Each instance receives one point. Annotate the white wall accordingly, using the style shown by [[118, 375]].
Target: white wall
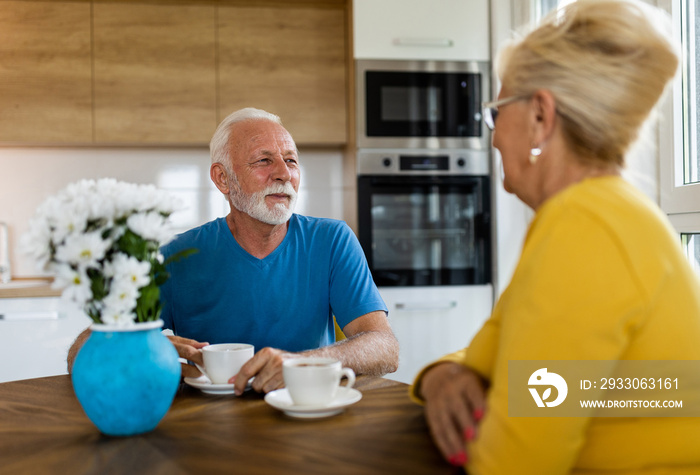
[[512, 216], [30, 175]]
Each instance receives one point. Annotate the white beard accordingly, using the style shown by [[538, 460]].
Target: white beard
[[254, 205]]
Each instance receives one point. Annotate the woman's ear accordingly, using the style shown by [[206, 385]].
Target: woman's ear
[[543, 115], [219, 176]]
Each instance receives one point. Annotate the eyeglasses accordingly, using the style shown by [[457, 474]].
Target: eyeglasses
[[491, 109]]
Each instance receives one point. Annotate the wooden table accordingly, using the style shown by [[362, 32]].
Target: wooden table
[[44, 430]]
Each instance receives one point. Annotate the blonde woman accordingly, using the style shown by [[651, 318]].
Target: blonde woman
[[601, 275]]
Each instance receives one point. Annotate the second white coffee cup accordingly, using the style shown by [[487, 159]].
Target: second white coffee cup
[[314, 381], [224, 360]]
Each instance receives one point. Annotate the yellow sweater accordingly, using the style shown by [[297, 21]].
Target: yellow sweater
[[601, 277]]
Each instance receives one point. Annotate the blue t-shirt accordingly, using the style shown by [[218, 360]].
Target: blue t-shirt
[[286, 300]]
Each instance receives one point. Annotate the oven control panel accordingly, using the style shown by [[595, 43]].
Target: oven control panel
[[423, 162]]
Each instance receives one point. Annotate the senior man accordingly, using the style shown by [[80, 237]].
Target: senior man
[[267, 276]]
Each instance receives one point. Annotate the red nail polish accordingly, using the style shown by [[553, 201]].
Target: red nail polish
[[458, 459], [469, 433], [478, 414]]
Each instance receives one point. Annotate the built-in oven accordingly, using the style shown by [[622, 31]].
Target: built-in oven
[[425, 226], [421, 104], [424, 216]]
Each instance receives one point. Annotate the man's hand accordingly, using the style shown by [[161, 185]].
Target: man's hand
[[454, 403], [370, 348], [190, 350], [266, 366]]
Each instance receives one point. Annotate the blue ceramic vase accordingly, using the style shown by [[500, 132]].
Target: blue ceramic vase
[[126, 377]]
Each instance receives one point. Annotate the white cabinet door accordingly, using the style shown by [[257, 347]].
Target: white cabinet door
[[35, 334], [422, 29], [430, 322]]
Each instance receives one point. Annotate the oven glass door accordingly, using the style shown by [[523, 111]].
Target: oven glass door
[[422, 104], [419, 231]]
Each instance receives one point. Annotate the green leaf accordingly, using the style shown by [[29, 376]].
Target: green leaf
[[93, 313], [134, 245], [161, 277], [148, 302], [98, 284], [178, 256]]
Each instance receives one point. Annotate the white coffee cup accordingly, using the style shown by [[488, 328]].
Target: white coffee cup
[[314, 381], [224, 360]]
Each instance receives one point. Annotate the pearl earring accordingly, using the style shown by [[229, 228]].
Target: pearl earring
[[535, 154]]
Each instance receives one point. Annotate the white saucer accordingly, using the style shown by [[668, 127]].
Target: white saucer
[[281, 400], [206, 386]]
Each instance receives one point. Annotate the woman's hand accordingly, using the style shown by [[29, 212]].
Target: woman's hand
[[454, 398]]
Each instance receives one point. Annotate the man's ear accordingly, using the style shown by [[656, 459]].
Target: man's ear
[[219, 176], [543, 115]]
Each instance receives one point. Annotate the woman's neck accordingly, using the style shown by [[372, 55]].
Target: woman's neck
[[566, 170]]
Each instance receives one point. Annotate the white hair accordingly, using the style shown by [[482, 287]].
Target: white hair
[[219, 146]]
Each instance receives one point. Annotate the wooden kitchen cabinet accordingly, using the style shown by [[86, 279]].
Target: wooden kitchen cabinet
[[45, 72], [154, 73], [165, 72], [289, 60]]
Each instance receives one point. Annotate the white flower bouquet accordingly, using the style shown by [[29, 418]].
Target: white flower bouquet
[[101, 240]]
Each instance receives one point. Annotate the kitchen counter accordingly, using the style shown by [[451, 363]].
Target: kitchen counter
[[28, 288], [36, 327]]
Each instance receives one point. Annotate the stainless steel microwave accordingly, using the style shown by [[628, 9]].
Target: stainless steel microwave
[[422, 104]]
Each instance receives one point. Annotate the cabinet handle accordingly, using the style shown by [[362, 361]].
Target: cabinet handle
[[428, 42], [29, 316], [425, 306]]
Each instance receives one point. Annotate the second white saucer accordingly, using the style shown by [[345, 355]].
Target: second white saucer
[[281, 400]]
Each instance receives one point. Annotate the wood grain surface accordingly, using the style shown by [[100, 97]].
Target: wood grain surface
[[41, 289], [288, 61], [44, 430], [166, 72], [155, 73], [45, 72]]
